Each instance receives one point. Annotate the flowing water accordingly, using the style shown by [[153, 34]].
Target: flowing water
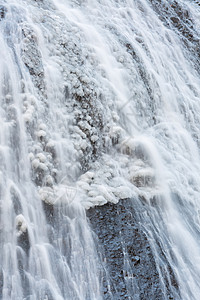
[[100, 101]]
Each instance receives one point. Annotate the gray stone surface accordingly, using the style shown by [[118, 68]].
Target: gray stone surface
[[129, 268], [177, 17]]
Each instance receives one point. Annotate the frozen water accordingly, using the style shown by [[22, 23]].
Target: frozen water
[[106, 95]]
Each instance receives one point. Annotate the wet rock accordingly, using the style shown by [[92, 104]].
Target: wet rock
[[130, 271], [22, 233], [175, 16], [23, 241], [49, 212], [32, 58], [16, 201], [1, 283], [175, 20], [3, 11]]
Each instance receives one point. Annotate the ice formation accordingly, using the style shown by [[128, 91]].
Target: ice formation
[[104, 94]]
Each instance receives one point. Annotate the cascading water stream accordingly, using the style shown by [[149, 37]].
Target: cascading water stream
[[39, 259], [99, 103]]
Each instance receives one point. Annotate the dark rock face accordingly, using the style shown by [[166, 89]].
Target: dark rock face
[[3, 11], [130, 270], [31, 57], [177, 17]]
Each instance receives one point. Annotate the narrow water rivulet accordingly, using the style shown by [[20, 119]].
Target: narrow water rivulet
[[99, 149]]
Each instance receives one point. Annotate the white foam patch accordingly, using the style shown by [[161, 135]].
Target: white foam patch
[[20, 224]]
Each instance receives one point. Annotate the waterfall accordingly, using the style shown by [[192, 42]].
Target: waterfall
[[100, 103]]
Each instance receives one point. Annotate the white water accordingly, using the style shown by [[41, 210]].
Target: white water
[[100, 101]]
